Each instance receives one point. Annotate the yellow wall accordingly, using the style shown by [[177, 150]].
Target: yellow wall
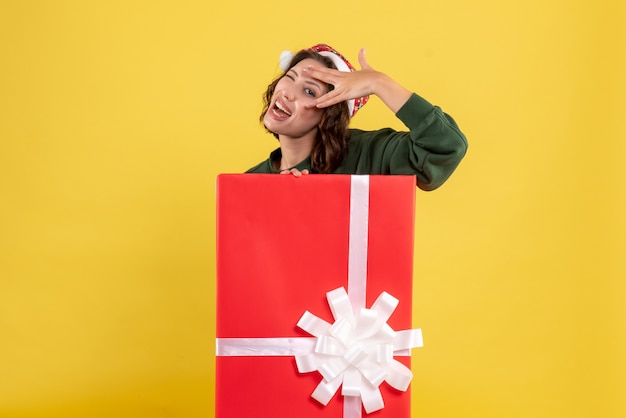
[[116, 116]]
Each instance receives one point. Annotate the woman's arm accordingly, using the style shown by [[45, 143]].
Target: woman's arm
[[431, 149]]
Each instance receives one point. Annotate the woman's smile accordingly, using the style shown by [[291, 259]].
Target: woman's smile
[[280, 110]]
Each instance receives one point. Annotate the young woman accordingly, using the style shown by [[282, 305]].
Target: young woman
[[308, 109]]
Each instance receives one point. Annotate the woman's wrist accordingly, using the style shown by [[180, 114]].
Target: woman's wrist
[[390, 92]]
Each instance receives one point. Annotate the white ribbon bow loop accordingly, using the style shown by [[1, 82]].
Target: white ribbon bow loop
[[356, 351]]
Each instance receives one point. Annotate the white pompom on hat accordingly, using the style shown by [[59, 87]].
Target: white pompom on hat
[[285, 60], [340, 62]]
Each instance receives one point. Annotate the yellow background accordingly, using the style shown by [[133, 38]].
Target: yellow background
[[116, 117]]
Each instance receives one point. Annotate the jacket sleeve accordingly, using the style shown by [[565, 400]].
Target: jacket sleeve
[[431, 149], [437, 145]]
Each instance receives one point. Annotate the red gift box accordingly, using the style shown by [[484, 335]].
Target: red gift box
[[282, 244]]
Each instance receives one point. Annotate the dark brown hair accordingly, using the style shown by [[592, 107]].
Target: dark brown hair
[[331, 145]]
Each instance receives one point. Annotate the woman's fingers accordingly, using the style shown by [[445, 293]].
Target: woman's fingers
[[329, 99], [323, 74], [363, 60], [295, 172], [347, 85]]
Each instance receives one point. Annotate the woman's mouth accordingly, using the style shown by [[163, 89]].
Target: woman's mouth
[[281, 110]]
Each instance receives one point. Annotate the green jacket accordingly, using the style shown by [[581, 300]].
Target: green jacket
[[431, 150]]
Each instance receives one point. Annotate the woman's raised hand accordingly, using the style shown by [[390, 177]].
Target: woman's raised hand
[[347, 85], [351, 85]]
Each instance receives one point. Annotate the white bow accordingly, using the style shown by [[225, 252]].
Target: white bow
[[357, 351]]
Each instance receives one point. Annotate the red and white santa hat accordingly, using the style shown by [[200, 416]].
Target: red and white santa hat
[[340, 62]]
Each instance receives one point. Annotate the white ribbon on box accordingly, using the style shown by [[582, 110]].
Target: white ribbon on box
[[356, 351]]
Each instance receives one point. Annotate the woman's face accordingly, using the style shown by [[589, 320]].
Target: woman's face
[[291, 112]]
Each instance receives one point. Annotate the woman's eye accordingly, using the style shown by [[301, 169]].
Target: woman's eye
[[309, 92], [289, 76]]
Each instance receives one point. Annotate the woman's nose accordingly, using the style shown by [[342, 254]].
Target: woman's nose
[[287, 95]]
